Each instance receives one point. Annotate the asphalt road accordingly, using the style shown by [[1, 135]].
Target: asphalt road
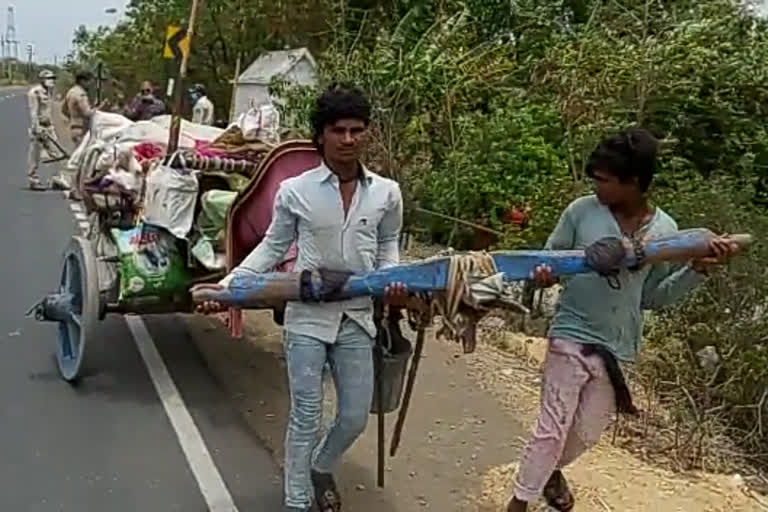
[[130, 436]]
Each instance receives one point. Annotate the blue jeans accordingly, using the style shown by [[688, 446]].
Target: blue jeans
[[350, 360]]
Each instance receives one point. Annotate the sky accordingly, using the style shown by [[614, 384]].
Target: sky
[[49, 24]]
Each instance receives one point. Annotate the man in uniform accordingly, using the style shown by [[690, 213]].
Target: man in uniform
[[202, 111], [42, 134], [77, 107]]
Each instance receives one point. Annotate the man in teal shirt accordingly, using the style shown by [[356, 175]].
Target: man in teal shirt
[[599, 321]]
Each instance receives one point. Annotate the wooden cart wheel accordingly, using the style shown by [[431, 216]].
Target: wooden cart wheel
[[79, 277]]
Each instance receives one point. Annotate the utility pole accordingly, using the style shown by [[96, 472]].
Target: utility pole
[[30, 53], [234, 87], [175, 132], [2, 56]]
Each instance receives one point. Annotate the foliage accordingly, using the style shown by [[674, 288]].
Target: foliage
[[693, 73], [728, 313], [507, 159], [226, 30]]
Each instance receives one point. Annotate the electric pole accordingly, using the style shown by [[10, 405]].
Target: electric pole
[[30, 53]]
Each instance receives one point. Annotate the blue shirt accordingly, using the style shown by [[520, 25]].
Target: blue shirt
[[308, 209], [591, 311]]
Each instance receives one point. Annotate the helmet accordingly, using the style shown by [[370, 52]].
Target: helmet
[[199, 89], [46, 74]]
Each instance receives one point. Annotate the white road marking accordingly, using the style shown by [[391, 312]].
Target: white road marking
[[207, 475]]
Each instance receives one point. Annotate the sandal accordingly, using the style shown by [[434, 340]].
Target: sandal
[[326, 493], [36, 185], [557, 493]]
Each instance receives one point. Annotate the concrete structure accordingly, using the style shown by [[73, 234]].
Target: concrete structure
[[295, 66]]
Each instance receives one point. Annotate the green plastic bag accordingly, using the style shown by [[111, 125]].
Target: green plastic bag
[[214, 205], [150, 263]]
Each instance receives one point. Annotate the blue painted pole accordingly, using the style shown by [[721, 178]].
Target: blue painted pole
[[263, 290]]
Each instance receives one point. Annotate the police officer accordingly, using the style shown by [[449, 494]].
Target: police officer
[[77, 107], [202, 111], [42, 134]]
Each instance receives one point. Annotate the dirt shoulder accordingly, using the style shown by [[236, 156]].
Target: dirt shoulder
[[469, 419]]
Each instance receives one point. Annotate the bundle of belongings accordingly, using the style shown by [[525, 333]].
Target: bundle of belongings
[[161, 218]]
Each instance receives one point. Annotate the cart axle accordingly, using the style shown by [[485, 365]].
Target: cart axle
[[55, 307]]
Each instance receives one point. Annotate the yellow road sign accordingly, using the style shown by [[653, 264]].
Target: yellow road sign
[[176, 42]]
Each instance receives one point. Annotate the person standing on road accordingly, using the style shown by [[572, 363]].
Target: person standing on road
[[77, 107], [42, 134], [145, 105], [343, 217], [203, 110], [599, 322]]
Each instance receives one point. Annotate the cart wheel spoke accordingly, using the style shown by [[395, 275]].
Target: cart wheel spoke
[[79, 279]]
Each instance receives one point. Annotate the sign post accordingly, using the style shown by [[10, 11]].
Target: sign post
[[178, 44]]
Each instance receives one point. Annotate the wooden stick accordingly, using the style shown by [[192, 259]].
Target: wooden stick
[[380, 416], [411, 382]]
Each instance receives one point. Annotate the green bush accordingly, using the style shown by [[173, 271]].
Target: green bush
[[729, 313], [509, 158]]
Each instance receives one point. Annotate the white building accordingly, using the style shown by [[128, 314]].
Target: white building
[[294, 66]]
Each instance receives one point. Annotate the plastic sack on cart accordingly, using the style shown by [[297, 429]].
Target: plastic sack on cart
[[213, 215], [261, 122], [104, 127], [170, 199], [150, 263], [210, 224]]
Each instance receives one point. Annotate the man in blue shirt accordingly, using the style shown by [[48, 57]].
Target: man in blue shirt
[[599, 322]]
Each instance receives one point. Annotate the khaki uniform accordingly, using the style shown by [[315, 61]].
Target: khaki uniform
[[80, 112], [41, 126]]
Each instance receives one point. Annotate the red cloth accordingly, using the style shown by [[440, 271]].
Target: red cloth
[[148, 151]]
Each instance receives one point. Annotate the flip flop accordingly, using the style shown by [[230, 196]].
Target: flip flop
[[37, 186], [326, 493], [557, 494]]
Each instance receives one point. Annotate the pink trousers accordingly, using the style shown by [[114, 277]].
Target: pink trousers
[[577, 404]]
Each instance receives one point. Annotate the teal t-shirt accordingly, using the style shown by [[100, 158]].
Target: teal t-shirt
[[589, 309]]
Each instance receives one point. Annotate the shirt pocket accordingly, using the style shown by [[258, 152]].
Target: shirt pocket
[[365, 238]]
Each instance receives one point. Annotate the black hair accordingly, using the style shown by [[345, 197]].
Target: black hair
[[83, 76], [628, 155], [339, 101]]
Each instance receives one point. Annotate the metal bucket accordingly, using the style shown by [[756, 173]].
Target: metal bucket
[[389, 375]]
